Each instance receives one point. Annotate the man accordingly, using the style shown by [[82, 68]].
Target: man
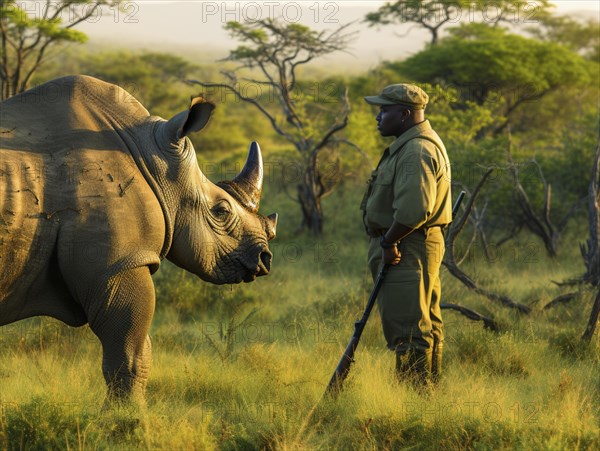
[[406, 207]]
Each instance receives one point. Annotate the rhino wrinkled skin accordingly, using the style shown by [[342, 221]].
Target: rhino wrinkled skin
[[94, 193]]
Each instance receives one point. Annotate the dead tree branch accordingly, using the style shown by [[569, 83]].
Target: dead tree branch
[[540, 226], [591, 250], [450, 261], [477, 221], [562, 299], [488, 323], [591, 326]]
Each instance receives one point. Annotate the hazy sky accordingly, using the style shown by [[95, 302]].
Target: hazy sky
[[197, 25]]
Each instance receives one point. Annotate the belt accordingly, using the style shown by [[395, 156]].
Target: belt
[[376, 233]]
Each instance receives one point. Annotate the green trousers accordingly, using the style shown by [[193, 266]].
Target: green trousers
[[409, 299]]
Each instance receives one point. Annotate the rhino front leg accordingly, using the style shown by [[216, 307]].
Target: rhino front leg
[[122, 323]]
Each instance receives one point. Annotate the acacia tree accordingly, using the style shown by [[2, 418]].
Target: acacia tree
[[489, 65], [28, 34], [433, 15], [271, 55]]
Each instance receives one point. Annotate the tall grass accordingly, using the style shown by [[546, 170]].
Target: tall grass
[[245, 367]]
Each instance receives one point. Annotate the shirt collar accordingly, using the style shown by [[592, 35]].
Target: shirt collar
[[409, 134]]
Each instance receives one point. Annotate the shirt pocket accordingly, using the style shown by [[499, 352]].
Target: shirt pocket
[[384, 177]]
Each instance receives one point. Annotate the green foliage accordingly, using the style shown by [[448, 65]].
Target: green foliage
[[572, 156], [488, 64], [425, 12], [17, 24], [53, 30], [27, 37], [459, 122]]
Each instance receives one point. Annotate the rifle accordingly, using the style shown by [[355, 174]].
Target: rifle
[[343, 368]]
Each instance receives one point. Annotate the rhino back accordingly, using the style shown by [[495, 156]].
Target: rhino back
[[69, 187], [68, 111]]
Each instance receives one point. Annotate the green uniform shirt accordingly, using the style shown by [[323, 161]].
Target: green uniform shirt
[[411, 184]]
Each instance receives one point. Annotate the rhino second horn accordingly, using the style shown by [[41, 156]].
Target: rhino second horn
[[271, 226], [250, 179]]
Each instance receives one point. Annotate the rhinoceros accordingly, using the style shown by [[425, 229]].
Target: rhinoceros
[[94, 193]]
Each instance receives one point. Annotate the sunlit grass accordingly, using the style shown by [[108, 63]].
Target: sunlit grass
[[245, 367]]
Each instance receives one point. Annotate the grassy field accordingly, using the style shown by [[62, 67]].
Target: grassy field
[[244, 367]]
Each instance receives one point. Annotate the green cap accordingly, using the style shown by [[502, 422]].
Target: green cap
[[405, 94]]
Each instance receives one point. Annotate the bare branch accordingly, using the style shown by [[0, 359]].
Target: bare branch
[[468, 249], [469, 283], [488, 323], [450, 261], [593, 321], [337, 126], [246, 99], [542, 227], [591, 251], [511, 234], [459, 223], [562, 299]]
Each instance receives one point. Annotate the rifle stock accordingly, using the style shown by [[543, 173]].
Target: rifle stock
[[343, 368]]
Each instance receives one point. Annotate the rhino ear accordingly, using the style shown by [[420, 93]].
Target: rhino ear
[[192, 120]]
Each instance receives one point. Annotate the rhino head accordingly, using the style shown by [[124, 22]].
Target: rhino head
[[218, 233]]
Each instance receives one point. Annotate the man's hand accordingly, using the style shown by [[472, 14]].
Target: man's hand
[[394, 234], [391, 256]]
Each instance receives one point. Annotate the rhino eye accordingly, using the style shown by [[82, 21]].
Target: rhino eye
[[221, 210]]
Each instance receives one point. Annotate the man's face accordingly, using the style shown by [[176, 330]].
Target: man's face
[[390, 119]]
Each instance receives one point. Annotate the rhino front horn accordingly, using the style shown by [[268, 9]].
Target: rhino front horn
[[246, 187]]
